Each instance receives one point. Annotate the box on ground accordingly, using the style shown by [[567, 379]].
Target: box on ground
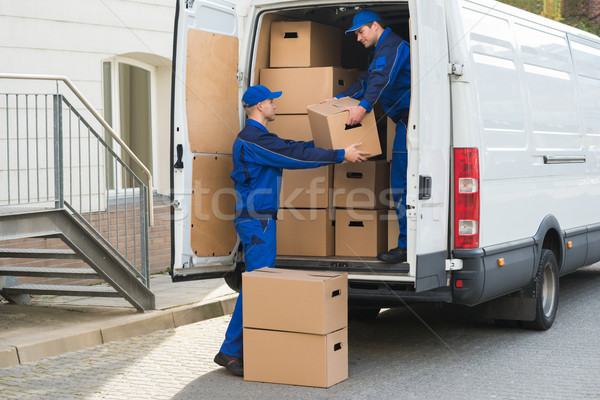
[[329, 129], [362, 185], [305, 44], [306, 188], [304, 86], [295, 358], [360, 232], [295, 301], [393, 229], [291, 126]]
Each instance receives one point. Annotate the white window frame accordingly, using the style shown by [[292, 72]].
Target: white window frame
[[114, 71]]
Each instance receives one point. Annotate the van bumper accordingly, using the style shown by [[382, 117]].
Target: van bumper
[[388, 297], [472, 276]]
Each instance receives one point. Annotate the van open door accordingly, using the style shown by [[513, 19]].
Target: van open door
[[428, 145], [205, 121]]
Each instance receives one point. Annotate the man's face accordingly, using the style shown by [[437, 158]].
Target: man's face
[[367, 36], [268, 109]]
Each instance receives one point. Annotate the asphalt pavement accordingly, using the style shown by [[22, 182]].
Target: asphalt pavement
[[425, 351]]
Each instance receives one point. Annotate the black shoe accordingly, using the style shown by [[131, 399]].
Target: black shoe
[[396, 255], [231, 363]]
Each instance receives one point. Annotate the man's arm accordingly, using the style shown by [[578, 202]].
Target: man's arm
[[273, 151], [384, 70]]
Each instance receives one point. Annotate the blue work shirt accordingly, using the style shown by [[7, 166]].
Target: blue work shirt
[[387, 80], [258, 159]]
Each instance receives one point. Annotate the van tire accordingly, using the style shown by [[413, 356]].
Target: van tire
[[546, 292], [233, 278]]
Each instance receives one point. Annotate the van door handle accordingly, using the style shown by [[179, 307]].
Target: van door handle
[[179, 163], [424, 187]]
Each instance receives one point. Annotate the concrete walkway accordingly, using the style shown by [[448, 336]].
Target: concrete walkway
[[53, 325]]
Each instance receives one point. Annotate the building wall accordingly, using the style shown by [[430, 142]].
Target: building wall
[[72, 38]]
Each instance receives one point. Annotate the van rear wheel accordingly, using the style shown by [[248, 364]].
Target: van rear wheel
[[546, 292]]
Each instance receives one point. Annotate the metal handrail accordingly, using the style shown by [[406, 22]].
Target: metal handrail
[[101, 120]]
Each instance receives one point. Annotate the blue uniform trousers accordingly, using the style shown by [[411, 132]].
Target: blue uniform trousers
[[398, 180], [260, 247]]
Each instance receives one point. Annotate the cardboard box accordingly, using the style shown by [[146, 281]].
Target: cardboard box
[[362, 185], [391, 134], [306, 188], [295, 301], [305, 44], [329, 129], [295, 358], [393, 230], [360, 232], [305, 232], [304, 86], [291, 126]]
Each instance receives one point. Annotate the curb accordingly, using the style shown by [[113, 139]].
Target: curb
[[122, 328]]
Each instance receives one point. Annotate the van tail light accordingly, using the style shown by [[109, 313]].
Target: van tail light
[[466, 198]]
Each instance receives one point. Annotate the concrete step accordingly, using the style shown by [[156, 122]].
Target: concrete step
[[38, 253], [62, 290], [49, 272]]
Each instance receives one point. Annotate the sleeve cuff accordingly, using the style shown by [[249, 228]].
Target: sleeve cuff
[[339, 96], [366, 105], [341, 155]]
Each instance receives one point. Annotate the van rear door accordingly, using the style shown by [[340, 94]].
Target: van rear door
[[428, 145], [205, 122]]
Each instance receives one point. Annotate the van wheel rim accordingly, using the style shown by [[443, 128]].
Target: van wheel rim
[[548, 291]]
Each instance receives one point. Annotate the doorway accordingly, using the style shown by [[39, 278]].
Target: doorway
[[129, 109]]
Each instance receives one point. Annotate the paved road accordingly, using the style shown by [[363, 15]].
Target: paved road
[[425, 352]]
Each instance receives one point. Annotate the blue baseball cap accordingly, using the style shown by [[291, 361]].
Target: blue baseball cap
[[257, 93], [363, 17]]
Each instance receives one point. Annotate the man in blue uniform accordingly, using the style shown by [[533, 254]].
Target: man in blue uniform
[[387, 81], [258, 159]]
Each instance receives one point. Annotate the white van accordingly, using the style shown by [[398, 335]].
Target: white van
[[503, 143]]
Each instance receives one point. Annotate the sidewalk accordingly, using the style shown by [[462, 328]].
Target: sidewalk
[[53, 325]]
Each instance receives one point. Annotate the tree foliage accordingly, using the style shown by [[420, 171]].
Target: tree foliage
[[570, 12]]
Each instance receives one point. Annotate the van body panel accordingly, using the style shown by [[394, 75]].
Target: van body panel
[[516, 272], [593, 248], [428, 139], [429, 274], [576, 249], [532, 131], [529, 110], [206, 121]]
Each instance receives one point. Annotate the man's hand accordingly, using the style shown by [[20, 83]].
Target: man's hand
[[354, 155], [357, 113], [326, 100]]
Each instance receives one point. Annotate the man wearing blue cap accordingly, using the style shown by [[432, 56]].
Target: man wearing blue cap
[[258, 159], [387, 81]]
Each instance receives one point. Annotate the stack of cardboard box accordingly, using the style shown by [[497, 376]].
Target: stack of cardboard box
[[304, 64], [295, 327], [304, 60], [361, 197]]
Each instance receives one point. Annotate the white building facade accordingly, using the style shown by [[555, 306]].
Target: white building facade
[[116, 52]]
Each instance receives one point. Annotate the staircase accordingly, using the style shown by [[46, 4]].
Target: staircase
[[65, 182]]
